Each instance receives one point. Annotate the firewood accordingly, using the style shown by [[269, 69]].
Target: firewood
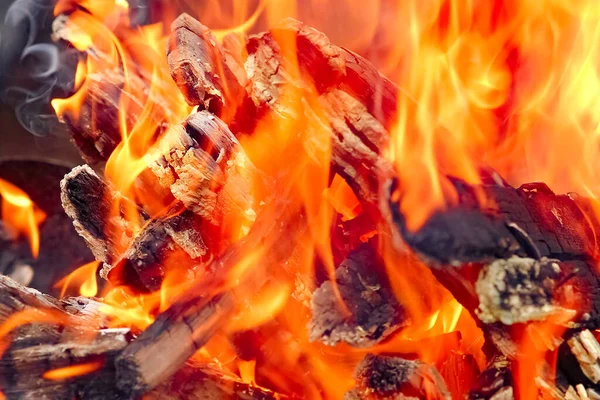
[[549, 237], [495, 382], [359, 102], [384, 377], [374, 313], [204, 166], [94, 126], [201, 69], [78, 337], [204, 308], [88, 200]]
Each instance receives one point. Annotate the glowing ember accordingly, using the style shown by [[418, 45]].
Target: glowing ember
[[72, 371], [21, 214]]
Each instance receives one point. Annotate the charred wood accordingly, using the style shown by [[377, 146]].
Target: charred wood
[[367, 312], [70, 333], [201, 69], [384, 377], [200, 311], [93, 205]]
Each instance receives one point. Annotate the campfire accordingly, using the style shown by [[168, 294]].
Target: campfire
[[400, 205]]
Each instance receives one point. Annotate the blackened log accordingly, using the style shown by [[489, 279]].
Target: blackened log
[[384, 377], [90, 202], [495, 382], [69, 333], [201, 69], [367, 312], [530, 222], [95, 125], [141, 257]]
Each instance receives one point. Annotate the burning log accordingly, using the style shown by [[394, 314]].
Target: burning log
[[199, 312], [88, 200], [201, 68], [204, 167], [63, 351], [529, 234], [373, 312], [384, 377]]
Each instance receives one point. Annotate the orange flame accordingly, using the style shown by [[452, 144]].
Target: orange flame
[[84, 277], [21, 214], [72, 371], [509, 84]]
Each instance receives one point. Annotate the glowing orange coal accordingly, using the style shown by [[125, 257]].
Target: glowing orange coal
[[21, 214]]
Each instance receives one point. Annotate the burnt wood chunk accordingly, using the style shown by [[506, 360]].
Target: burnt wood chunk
[[143, 257], [169, 243], [517, 290], [530, 220], [584, 346], [205, 168], [90, 202], [385, 377], [495, 382], [200, 68], [374, 312]]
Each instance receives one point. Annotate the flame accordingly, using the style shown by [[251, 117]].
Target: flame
[[21, 214], [509, 84], [247, 370], [84, 277], [72, 371]]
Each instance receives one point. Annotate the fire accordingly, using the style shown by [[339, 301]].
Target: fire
[[72, 371], [21, 214], [509, 84], [84, 277]]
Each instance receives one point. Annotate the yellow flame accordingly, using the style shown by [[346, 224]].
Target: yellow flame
[[21, 214]]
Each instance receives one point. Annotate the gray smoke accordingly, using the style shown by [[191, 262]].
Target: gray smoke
[[30, 65]]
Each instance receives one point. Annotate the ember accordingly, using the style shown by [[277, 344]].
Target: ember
[[272, 217]]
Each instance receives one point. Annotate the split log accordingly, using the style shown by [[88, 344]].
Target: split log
[[385, 377], [94, 207], [71, 333], [373, 312]]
